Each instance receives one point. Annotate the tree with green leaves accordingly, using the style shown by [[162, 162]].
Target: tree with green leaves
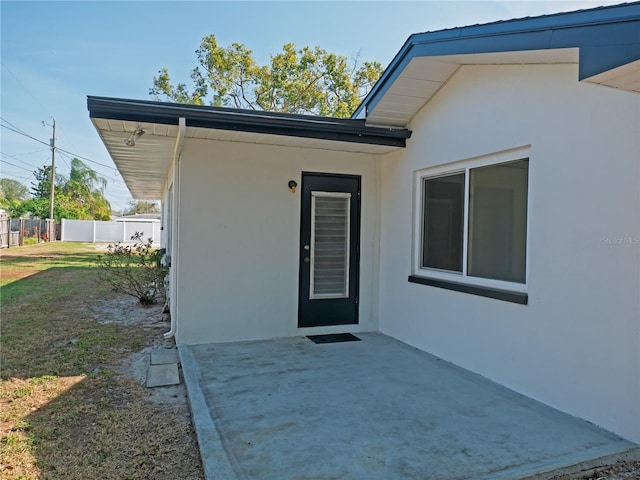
[[81, 196], [42, 187], [12, 191], [297, 80], [63, 207], [142, 206], [87, 188]]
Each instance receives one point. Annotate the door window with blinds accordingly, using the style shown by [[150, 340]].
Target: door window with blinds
[[329, 245]]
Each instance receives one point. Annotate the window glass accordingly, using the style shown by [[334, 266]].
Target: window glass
[[443, 222], [490, 208], [498, 221]]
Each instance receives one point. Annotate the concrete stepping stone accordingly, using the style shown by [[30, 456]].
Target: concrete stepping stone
[[160, 356], [162, 375]]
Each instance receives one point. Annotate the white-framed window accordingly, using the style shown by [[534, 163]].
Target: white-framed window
[[471, 221]]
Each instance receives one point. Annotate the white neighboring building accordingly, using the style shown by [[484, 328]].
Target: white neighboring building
[[482, 205]]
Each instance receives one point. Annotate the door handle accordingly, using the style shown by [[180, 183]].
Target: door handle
[[306, 247], [306, 259]]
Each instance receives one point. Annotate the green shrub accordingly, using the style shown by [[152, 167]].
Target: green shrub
[[134, 269]]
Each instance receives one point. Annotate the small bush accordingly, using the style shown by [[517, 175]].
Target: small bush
[[134, 269]]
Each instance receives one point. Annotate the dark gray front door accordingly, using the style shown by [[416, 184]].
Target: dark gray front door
[[329, 250]]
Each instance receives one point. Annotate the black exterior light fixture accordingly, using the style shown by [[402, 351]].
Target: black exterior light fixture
[[292, 185]]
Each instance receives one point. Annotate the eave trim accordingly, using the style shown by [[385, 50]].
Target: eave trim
[[607, 37], [307, 126]]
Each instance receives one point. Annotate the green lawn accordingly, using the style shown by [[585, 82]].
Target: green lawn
[[66, 411]]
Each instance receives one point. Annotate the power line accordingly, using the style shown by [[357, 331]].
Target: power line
[[25, 88], [14, 157], [45, 162], [70, 154], [36, 100], [64, 157], [13, 175], [19, 159], [26, 153], [14, 165], [15, 129], [24, 182], [110, 194], [18, 131], [85, 158], [69, 140]]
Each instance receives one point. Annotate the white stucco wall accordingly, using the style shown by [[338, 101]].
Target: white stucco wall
[[576, 345], [239, 229]]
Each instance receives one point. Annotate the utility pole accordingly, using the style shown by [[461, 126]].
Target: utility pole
[[53, 169]]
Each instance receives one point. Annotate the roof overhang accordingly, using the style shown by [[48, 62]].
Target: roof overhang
[[604, 42], [144, 163]]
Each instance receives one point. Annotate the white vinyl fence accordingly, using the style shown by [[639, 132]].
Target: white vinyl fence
[[108, 232]]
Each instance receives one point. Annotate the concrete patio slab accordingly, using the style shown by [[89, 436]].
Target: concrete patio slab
[[374, 409], [164, 355], [162, 375]]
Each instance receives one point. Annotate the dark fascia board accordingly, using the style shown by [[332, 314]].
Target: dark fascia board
[[607, 37], [292, 125]]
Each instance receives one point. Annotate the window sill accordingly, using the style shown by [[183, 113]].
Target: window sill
[[498, 294]]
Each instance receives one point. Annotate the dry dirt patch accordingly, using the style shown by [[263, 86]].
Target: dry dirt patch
[[621, 471], [74, 358], [126, 311]]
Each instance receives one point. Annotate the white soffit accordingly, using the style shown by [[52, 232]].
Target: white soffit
[[424, 76], [145, 165], [625, 77]]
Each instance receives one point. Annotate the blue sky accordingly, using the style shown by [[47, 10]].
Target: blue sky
[[54, 54]]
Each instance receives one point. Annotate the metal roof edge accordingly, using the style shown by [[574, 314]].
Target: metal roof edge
[[599, 16], [276, 123]]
